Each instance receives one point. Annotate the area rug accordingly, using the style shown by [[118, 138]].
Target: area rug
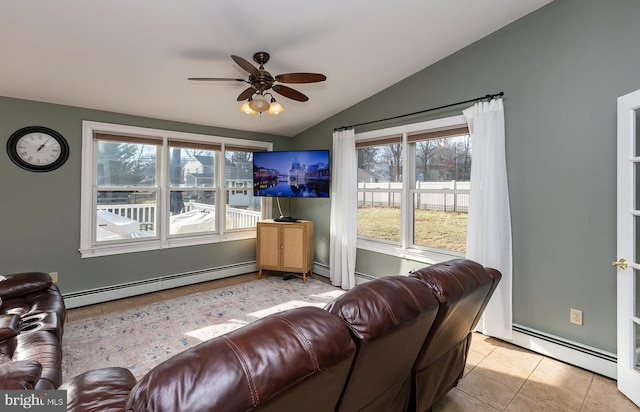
[[141, 338]]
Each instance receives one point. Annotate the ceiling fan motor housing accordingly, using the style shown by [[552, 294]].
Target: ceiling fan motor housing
[[261, 83]]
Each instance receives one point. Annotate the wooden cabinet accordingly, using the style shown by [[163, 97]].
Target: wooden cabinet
[[285, 247]]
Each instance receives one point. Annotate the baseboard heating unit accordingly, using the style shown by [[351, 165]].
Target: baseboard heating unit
[[125, 290], [574, 353]]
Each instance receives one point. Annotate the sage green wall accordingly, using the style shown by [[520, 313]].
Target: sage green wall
[[40, 212], [562, 69]]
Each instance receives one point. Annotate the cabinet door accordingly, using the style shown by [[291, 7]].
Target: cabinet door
[[268, 248], [293, 248]]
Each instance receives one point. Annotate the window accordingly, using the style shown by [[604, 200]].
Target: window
[[146, 189], [413, 189], [242, 207]]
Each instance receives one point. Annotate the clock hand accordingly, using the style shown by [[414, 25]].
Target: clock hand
[[42, 145]]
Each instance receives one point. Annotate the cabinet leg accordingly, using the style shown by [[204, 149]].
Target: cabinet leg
[[259, 273]]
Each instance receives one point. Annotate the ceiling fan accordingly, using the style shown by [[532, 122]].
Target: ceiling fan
[[261, 82]]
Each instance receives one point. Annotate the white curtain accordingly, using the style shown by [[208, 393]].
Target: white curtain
[[344, 212], [489, 225]]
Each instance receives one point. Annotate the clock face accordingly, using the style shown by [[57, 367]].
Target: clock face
[[38, 149]]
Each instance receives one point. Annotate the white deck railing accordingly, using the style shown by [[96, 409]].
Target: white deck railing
[[145, 213]]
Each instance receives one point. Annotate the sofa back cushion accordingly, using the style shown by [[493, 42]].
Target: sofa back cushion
[[389, 318], [292, 360], [463, 288]]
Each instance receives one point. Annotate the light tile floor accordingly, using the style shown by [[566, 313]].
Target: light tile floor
[[503, 377], [498, 377]]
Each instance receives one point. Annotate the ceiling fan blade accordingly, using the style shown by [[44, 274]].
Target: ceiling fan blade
[[246, 93], [301, 77], [246, 65], [215, 79], [290, 93]]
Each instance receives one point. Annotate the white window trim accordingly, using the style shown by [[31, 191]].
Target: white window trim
[[404, 250], [87, 224]]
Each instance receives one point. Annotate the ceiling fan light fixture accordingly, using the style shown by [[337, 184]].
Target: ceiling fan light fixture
[[245, 108], [259, 104], [275, 107]]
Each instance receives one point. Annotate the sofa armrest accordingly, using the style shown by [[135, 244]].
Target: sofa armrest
[[23, 374], [102, 390], [9, 326], [20, 284]]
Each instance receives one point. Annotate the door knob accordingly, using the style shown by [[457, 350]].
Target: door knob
[[622, 264]]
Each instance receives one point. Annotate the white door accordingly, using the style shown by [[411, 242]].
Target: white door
[[628, 259]]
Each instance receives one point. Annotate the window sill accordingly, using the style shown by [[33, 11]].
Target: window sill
[[418, 255], [145, 246]]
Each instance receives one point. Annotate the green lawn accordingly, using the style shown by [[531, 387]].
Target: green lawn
[[442, 230]]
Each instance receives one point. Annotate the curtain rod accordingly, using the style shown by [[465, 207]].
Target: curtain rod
[[477, 99]]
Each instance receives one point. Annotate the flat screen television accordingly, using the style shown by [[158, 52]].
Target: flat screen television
[[296, 173]]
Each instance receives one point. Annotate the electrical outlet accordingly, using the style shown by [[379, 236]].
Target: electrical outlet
[[576, 316], [54, 276]]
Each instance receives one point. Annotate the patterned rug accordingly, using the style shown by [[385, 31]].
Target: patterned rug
[[140, 338]]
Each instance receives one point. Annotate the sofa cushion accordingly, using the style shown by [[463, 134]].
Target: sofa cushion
[[20, 374], [22, 283]]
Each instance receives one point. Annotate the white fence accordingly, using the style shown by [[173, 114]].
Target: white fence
[[451, 196], [145, 213]]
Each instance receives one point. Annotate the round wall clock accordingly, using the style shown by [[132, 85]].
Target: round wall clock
[[37, 149]]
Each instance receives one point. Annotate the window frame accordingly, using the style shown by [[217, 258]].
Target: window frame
[[406, 249], [162, 240]]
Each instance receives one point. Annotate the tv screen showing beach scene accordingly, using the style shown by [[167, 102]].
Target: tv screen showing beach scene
[[300, 173]]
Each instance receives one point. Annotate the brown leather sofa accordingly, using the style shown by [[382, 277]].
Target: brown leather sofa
[[379, 347], [32, 315], [292, 360]]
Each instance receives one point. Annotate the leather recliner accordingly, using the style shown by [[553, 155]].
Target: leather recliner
[[32, 316], [389, 319], [463, 289]]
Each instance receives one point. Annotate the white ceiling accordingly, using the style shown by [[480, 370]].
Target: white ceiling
[[134, 56]]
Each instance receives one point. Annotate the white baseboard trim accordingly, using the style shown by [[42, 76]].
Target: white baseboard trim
[[574, 353], [125, 290]]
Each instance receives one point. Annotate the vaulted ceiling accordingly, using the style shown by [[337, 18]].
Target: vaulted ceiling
[[135, 57]]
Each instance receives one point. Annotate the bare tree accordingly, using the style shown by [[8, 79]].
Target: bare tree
[[464, 154], [392, 155], [424, 156], [367, 158]]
